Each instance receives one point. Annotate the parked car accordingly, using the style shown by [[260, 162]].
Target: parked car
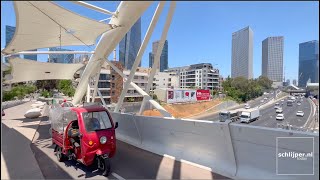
[[300, 113], [279, 110], [3, 114], [247, 106], [280, 117]]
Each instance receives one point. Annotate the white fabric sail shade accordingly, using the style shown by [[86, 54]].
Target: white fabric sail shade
[[28, 70], [39, 24]]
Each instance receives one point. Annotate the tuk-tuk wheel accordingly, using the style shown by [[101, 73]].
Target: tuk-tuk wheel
[[59, 154], [104, 166]]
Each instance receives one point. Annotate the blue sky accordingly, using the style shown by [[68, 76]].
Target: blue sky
[[202, 31]]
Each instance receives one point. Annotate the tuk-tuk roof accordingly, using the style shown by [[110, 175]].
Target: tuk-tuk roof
[[91, 108]]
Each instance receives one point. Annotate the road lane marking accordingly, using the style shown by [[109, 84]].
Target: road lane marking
[[168, 156], [188, 162], [117, 176], [196, 165]]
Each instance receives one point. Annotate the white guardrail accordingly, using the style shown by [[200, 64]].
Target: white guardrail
[[234, 150]]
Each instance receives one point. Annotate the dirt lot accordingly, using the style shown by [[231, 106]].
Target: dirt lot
[[184, 110]]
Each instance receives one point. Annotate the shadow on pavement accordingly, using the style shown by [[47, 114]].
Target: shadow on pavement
[[17, 157], [50, 168]]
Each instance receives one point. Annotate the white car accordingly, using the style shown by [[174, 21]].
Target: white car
[[265, 98], [247, 106], [280, 117], [262, 101], [300, 113], [279, 110], [282, 100], [298, 103]]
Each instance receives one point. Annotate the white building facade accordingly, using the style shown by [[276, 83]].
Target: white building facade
[[200, 76], [166, 80]]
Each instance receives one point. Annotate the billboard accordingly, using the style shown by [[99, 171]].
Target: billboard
[[177, 96], [203, 95]]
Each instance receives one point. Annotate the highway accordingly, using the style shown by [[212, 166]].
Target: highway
[[268, 115], [253, 103]]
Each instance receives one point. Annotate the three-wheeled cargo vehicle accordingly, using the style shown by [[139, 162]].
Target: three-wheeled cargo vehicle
[[85, 134]]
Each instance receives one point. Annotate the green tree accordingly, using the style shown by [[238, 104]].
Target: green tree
[[66, 87], [47, 84]]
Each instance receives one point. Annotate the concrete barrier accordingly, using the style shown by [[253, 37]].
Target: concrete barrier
[[255, 151], [233, 150], [203, 142]]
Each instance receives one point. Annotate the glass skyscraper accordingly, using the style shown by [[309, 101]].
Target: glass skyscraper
[[308, 63], [129, 46], [163, 64], [60, 58], [242, 53], [9, 35], [272, 58], [31, 56]]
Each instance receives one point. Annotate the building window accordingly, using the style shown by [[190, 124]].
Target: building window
[[142, 77]]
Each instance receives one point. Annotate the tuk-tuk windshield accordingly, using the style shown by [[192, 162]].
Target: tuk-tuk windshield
[[96, 120]]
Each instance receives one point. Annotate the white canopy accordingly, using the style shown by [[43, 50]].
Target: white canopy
[[39, 24], [28, 70]]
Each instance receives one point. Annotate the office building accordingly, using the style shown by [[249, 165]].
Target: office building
[[200, 76], [129, 46], [242, 53], [308, 63], [272, 58], [81, 58], [31, 56], [163, 63], [60, 58], [294, 82], [10, 30], [9, 35]]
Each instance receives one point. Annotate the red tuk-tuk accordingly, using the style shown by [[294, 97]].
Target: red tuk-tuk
[[85, 134]]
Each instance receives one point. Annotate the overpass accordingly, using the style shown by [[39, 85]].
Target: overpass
[[313, 89]]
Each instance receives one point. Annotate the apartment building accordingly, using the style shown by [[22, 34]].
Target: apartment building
[[200, 76], [166, 80], [111, 84]]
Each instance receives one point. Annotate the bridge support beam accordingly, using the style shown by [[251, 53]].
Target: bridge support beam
[[158, 53], [140, 53]]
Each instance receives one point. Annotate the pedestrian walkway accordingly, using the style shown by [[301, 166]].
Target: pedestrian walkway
[[17, 158]]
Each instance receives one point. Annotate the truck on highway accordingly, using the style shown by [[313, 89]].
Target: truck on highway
[[228, 115], [249, 115]]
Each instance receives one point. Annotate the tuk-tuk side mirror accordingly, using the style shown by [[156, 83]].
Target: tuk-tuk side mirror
[[116, 126]]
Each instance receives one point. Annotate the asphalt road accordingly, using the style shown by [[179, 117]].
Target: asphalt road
[[129, 163], [253, 103], [268, 115]]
